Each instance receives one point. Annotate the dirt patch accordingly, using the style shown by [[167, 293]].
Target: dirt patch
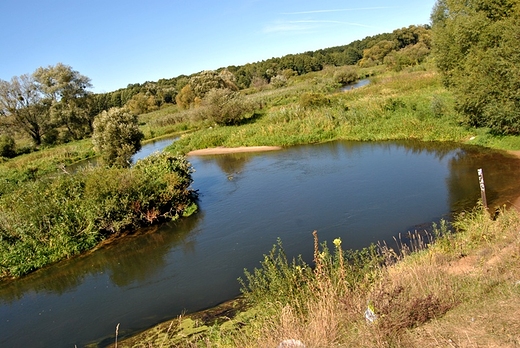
[[226, 150]]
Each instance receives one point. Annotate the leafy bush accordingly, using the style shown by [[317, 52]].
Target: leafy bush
[[116, 137], [47, 220], [346, 75], [308, 100], [224, 106]]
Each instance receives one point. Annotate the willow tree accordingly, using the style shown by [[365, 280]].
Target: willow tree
[[477, 49], [116, 137]]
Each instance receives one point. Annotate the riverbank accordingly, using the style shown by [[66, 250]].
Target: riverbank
[[409, 105], [461, 290]]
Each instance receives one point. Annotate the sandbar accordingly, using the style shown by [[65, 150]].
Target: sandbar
[[225, 150]]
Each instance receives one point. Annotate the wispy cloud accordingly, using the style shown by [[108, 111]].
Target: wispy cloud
[[339, 10], [304, 25]]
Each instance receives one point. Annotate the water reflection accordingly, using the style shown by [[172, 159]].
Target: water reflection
[[135, 258], [500, 173]]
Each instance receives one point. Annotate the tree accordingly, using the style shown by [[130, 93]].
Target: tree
[[65, 91], [185, 97], [376, 54], [142, 103], [116, 137], [49, 98], [477, 50], [25, 111], [205, 81]]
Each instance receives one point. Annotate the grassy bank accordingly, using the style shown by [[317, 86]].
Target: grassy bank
[[407, 105], [461, 291], [48, 219]]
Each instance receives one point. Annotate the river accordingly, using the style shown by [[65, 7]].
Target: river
[[361, 192]]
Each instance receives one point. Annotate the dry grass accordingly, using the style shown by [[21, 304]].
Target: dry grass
[[461, 291]]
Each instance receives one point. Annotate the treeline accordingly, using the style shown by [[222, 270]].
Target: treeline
[[403, 47], [477, 45], [53, 105]]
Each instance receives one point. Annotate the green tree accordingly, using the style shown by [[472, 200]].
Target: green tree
[[205, 81], [477, 50], [7, 146], [116, 137], [376, 54], [23, 107], [142, 103], [185, 97], [65, 91]]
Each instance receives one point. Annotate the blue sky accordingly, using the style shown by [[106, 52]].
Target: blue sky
[[117, 42]]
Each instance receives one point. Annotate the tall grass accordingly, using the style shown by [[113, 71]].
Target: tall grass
[[458, 289]]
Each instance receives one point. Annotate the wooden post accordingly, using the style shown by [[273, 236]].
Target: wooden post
[[482, 188]]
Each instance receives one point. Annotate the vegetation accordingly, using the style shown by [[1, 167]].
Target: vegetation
[[45, 101], [48, 214], [52, 218], [476, 47], [116, 137], [457, 291]]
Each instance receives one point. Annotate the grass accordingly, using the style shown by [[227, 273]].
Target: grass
[[408, 105], [462, 290]]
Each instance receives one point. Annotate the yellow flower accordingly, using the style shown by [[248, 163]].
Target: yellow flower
[[337, 242]]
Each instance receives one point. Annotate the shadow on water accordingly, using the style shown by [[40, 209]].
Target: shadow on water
[[134, 258], [361, 192]]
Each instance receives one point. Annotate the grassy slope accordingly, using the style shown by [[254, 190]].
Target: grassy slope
[[463, 291]]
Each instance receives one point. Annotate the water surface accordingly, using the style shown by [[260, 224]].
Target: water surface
[[361, 192]]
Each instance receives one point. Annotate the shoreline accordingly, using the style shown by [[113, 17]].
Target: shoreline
[[228, 150]]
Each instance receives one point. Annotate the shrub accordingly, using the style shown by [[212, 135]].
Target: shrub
[[47, 220], [224, 106], [346, 75], [308, 100], [7, 146]]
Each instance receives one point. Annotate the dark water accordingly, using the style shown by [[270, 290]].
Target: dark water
[[361, 192]]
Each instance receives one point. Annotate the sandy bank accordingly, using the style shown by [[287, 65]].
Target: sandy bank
[[224, 150]]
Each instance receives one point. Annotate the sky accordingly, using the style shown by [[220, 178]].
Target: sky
[[116, 42]]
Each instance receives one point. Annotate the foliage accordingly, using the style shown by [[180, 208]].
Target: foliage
[[51, 98], [476, 46], [346, 75], [116, 137], [7, 146], [22, 107], [186, 97], [409, 56], [49, 219], [224, 107], [308, 100], [141, 104]]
